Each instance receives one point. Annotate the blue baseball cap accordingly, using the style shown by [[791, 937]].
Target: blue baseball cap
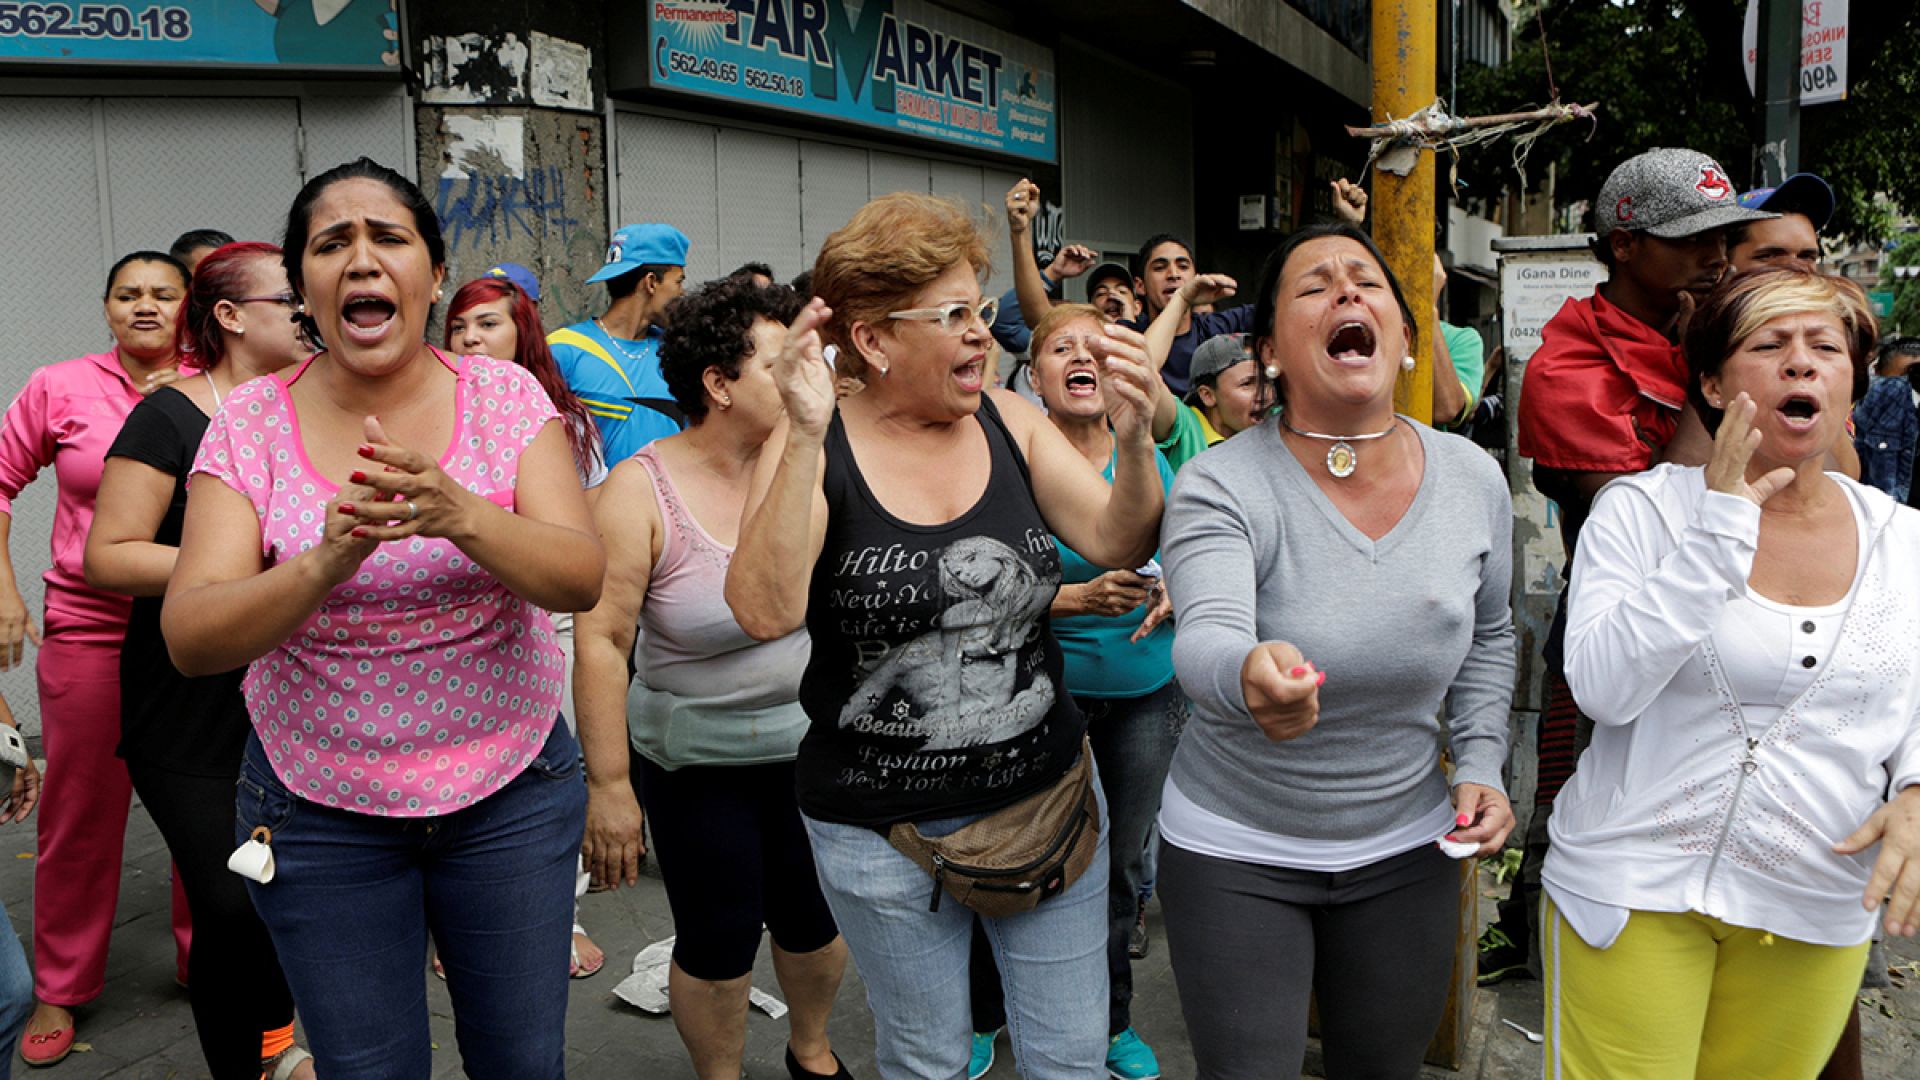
[[1801, 193], [521, 277], [635, 246]]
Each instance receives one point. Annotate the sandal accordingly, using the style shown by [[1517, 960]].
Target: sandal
[[282, 1065], [579, 969]]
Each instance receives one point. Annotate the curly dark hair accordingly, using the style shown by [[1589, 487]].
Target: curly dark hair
[[712, 327]]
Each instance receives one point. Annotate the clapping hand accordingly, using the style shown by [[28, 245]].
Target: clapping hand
[[1282, 690], [800, 371], [411, 494]]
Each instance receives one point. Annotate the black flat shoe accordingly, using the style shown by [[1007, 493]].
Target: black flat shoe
[[795, 1070]]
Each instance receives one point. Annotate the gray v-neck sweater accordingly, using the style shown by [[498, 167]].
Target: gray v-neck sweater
[[1405, 627]]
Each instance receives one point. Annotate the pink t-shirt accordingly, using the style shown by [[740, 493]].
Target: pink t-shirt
[[422, 685]]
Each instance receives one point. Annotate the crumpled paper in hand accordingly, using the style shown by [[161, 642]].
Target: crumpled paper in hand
[[646, 988]]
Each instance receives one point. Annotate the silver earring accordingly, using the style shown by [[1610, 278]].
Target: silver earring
[[1272, 372], [1406, 362], [726, 403], [436, 296], [238, 330]]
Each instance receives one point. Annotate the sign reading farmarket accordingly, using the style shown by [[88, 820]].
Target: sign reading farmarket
[[903, 65]]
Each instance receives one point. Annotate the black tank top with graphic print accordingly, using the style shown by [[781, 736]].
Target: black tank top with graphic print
[[934, 688]]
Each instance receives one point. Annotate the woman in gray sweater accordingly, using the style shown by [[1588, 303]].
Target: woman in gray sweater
[[1340, 577]]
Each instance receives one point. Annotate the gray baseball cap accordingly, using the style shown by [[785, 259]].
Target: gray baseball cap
[[1215, 355], [1670, 194]]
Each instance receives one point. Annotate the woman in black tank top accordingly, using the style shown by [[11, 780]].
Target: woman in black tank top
[[908, 533]]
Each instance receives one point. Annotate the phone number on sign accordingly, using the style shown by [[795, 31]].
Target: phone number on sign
[[111, 21]]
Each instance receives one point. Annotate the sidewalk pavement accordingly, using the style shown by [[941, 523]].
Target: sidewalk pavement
[[142, 1029]]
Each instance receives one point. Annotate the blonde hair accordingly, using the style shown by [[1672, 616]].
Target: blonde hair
[[1058, 316], [1743, 303], [877, 261]]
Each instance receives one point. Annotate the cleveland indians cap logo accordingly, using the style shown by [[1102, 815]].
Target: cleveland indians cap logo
[[1713, 183]]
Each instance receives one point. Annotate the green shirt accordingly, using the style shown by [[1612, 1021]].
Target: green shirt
[[1191, 434], [1469, 355]]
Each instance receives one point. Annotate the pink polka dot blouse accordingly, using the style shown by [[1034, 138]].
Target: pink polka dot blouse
[[422, 685]]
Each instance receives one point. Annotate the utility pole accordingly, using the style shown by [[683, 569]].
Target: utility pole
[[1404, 54], [1776, 83]]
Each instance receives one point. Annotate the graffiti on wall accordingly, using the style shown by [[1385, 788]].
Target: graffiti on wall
[[491, 209]]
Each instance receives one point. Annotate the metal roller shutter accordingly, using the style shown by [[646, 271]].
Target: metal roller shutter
[[744, 195], [92, 178]]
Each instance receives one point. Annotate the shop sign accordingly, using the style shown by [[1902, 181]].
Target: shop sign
[[286, 33], [902, 65]]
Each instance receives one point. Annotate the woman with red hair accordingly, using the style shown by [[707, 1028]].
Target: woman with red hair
[[183, 737], [492, 316]]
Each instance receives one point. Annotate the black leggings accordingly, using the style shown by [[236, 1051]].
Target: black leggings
[[1249, 942], [233, 974], [735, 856]]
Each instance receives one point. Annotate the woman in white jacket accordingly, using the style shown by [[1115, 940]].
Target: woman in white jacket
[[1746, 638]]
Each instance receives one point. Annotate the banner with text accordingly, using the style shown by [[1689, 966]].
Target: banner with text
[[287, 33], [903, 65]]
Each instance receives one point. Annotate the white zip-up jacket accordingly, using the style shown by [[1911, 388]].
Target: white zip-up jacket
[[1679, 804]]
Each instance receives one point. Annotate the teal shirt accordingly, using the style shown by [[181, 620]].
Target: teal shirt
[[620, 383], [1469, 355], [1100, 661]]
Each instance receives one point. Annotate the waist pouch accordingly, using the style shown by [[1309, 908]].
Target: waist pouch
[[1018, 856]]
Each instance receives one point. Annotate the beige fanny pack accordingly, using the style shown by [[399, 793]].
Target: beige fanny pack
[[1018, 856]]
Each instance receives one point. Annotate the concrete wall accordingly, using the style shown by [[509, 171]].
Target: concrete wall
[[511, 140]]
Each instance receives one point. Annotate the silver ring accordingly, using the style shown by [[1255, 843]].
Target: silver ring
[[412, 510]]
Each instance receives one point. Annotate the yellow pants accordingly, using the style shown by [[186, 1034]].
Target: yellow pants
[[1680, 996]]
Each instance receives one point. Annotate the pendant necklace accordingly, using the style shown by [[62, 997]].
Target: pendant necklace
[[1342, 459]]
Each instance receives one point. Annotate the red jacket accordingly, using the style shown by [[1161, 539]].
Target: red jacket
[[1602, 394]]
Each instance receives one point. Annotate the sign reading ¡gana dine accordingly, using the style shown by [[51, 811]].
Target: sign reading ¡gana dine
[[902, 65]]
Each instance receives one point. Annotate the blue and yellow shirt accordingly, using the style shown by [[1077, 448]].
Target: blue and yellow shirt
[[620, 383]]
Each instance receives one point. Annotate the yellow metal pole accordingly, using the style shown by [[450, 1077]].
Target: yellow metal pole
[[1404, 54]]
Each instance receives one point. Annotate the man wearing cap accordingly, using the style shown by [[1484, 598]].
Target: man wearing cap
[[1804, 204], [1110, 288], [613, 361], [1601, 398]]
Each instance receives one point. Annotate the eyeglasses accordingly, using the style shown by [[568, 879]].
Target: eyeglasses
[[285, 300], [953, 318]]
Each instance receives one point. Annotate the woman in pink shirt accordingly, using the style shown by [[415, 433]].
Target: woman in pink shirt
[[376, 535], [66, 417]]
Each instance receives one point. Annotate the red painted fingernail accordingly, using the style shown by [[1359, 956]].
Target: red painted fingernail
[[1463, 819], [1297, 672], [365, 450], [346, 508], [360, 531], [1322, 679], [357, 476]]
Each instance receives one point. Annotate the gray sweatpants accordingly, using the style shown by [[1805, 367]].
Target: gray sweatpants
[[1249, 942]]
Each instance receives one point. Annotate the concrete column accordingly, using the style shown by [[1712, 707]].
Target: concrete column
[[511, 139]]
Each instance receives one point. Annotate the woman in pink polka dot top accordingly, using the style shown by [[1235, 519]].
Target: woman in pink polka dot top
[[375, 534]]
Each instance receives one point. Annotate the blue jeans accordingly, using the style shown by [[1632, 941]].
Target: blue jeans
[[1053, 960], [16, 993], [354, 897], [1133, 741]]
